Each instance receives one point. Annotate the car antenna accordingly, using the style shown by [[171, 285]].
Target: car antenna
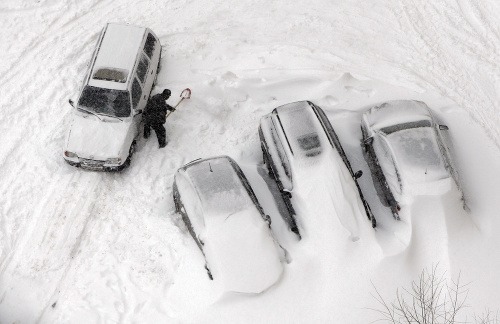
[[210, 166]]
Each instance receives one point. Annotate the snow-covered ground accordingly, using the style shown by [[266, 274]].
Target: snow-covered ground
[[79, 247]]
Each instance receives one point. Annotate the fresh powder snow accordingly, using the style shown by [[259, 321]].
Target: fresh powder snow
[[84, 247]]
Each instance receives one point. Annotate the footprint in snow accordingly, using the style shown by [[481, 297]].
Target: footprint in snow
[[331, 100], [450, 109], [361, 90]]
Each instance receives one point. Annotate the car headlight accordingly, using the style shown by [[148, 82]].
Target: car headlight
[[114, 161], [70, 154]]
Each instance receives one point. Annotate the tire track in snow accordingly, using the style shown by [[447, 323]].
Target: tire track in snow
[[30, 127], [51, 240], [459, 81], [127, 291]]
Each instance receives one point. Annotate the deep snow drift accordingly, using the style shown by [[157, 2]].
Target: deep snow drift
[[80, 246]]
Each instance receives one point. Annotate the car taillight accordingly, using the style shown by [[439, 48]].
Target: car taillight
[[70, 154]]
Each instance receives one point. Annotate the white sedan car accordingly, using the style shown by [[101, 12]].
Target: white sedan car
[[228, 224], [107, 114], [406, 153]]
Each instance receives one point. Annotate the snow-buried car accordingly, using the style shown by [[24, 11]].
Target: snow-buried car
[[115, 91], [405, 151], [228, 224], [297, 137]]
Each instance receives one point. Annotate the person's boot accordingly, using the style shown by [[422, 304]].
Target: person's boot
[[162, 142]]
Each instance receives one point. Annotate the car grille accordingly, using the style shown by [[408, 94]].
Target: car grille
[[92, 164]]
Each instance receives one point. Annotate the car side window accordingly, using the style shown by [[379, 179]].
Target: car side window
[[386, 161], [281, 153], [150, 45], [142, 68], [136, 93]]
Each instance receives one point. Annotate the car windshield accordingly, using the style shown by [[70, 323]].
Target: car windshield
[[418, 155], [219, 187], [108, 102], [396, 128]]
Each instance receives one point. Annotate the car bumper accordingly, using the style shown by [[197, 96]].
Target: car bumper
[[93, 165]]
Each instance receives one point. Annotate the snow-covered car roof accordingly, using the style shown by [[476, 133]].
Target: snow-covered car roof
[[408, 129], [240, 249], [303, 131], [116, 56], [396, 112]]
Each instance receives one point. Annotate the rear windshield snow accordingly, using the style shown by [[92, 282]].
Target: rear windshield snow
[[115, 75], [396, 128], [300, 128], [106, 101]]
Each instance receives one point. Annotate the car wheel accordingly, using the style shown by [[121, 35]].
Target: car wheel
[[131, 151]]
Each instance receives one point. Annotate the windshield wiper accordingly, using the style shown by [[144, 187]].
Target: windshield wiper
[[112, 117], [98, 115], [90, 112]]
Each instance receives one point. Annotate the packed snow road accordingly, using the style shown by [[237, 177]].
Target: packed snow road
[[80, 246]]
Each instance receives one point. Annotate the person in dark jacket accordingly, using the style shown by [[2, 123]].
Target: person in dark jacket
[[155, 116]]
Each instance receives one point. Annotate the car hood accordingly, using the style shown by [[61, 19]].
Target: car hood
[[92, 138], [242, 254]]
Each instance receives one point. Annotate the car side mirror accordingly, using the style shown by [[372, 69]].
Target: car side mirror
[[358, 174], [71, 103], [443, 127]]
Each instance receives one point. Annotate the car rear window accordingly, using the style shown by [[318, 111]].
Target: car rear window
[[300, 126], [109, 74], [396, 128]]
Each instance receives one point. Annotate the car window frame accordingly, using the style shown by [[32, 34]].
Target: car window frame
[[135, 80], [149, 36], [285, 163], [390, 156], [332, 135]]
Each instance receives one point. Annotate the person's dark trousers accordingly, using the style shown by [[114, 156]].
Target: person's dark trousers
[[159, 129], [161, 134], [147, 130]]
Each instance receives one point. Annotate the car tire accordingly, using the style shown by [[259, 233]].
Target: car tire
[[131, 151]]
